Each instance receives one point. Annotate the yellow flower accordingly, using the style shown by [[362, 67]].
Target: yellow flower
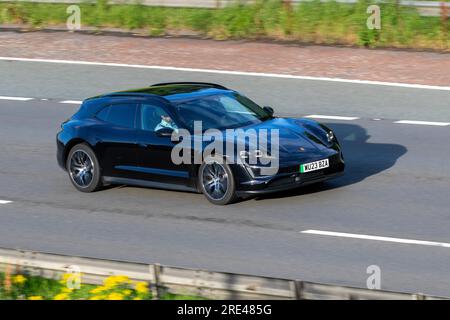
[[67, 290], [19, 279], [65, 277], [35, 298], [137, 298], [113, 281], [141, 287], [127, 292], [98, 290], [97, 298], [115, 296], [61, 296], [71, 278]]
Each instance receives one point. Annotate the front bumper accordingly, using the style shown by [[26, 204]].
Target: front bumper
[[291, 180]]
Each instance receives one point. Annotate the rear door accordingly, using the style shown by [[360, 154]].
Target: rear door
[[116, 139]]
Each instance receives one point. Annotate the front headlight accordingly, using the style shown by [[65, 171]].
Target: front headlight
[[330, 136], [319, 133]]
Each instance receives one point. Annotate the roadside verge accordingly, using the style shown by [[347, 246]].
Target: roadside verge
[[165, 280]]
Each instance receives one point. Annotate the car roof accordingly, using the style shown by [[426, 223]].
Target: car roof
[[169, 92], [172, 91]]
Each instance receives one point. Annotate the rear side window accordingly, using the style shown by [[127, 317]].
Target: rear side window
[[122, 115]]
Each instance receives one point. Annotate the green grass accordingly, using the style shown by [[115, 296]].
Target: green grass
[[310, 22], [36, 286], [114, 288]]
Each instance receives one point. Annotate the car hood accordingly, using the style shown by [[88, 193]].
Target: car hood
[[300, 140], [296, 136]]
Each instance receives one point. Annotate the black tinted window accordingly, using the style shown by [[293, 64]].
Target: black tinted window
[[155, 118], [220, 111], [122, 115]]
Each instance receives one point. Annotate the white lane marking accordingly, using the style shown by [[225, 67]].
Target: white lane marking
[[315, 116], [71, 102], [425, 123], [15, 98], [5, 201], [319, 116], [377, 238], [241, 73]]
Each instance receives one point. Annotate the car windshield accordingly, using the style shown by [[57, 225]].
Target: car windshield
[[220, 111]]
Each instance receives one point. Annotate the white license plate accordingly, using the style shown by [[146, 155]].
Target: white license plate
[[313, 166]]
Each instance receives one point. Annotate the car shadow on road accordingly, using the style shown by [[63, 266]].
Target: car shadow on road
[[362, 158]]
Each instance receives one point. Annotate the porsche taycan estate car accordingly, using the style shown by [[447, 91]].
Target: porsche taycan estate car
[[127, 138]]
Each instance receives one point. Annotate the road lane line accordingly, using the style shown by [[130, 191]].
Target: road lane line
[[319, 116], [376, 238], [425, 123], [230, 72], [15, 98], [313, 116], [5, 201], [71, 102]]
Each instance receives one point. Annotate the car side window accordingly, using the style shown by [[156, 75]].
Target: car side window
[[122, 115], [155, 118]]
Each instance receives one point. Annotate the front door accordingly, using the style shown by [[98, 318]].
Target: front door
[[155, 148]]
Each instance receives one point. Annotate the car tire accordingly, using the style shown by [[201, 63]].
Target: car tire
[[84, 169], [216, 181]]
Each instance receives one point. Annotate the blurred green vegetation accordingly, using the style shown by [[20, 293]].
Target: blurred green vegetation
[[23, 286], [309, 22]]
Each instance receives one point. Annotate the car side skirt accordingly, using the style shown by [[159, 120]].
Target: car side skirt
[[148, 184]]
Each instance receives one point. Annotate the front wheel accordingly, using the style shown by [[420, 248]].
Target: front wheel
[[83, 168], [216, 181]]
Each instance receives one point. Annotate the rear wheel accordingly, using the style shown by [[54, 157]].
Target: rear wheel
[[83, 168], [216, 181]]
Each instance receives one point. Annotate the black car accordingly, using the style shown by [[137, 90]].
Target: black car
[[127, 138]]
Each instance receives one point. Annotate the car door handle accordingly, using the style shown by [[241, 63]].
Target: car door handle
[[143, 145]]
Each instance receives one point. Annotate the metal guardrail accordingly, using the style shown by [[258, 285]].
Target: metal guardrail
[[425, 8], [208, 284]]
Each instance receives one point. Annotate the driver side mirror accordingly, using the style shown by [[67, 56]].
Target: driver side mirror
[[164, 132], [269, 110]]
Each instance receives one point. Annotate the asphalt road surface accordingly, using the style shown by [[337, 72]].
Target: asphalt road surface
[[397, 185]]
